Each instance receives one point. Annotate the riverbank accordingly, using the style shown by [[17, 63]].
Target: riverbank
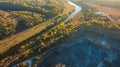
[[22, 36], [73, 13], [97, 46], [19, 55]]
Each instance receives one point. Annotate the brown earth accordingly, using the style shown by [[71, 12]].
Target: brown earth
[[67, 8], [112, 12], [20, 37]]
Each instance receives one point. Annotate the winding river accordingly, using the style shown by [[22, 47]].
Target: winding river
[[89, 49], [77, 10]]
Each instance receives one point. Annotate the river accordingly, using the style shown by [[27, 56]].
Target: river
[[90, 49], [77, 10]]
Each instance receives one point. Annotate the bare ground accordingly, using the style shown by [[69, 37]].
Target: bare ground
[[112, 12]]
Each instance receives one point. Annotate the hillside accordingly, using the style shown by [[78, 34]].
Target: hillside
[[22, 14], [59, 33]]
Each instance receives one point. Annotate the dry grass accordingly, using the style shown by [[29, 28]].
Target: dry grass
[[20, 37], [16, 39], [113, 12], [77, 18], [67, 8]]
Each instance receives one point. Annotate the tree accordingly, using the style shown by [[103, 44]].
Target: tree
[[43, 44]]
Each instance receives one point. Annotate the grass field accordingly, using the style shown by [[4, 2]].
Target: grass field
[[110, 8], [111, 4], [20, 37]]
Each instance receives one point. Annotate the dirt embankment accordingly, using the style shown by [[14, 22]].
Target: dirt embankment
[[67, 8]]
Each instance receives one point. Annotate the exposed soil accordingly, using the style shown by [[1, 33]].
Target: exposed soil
[[112, 12]]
